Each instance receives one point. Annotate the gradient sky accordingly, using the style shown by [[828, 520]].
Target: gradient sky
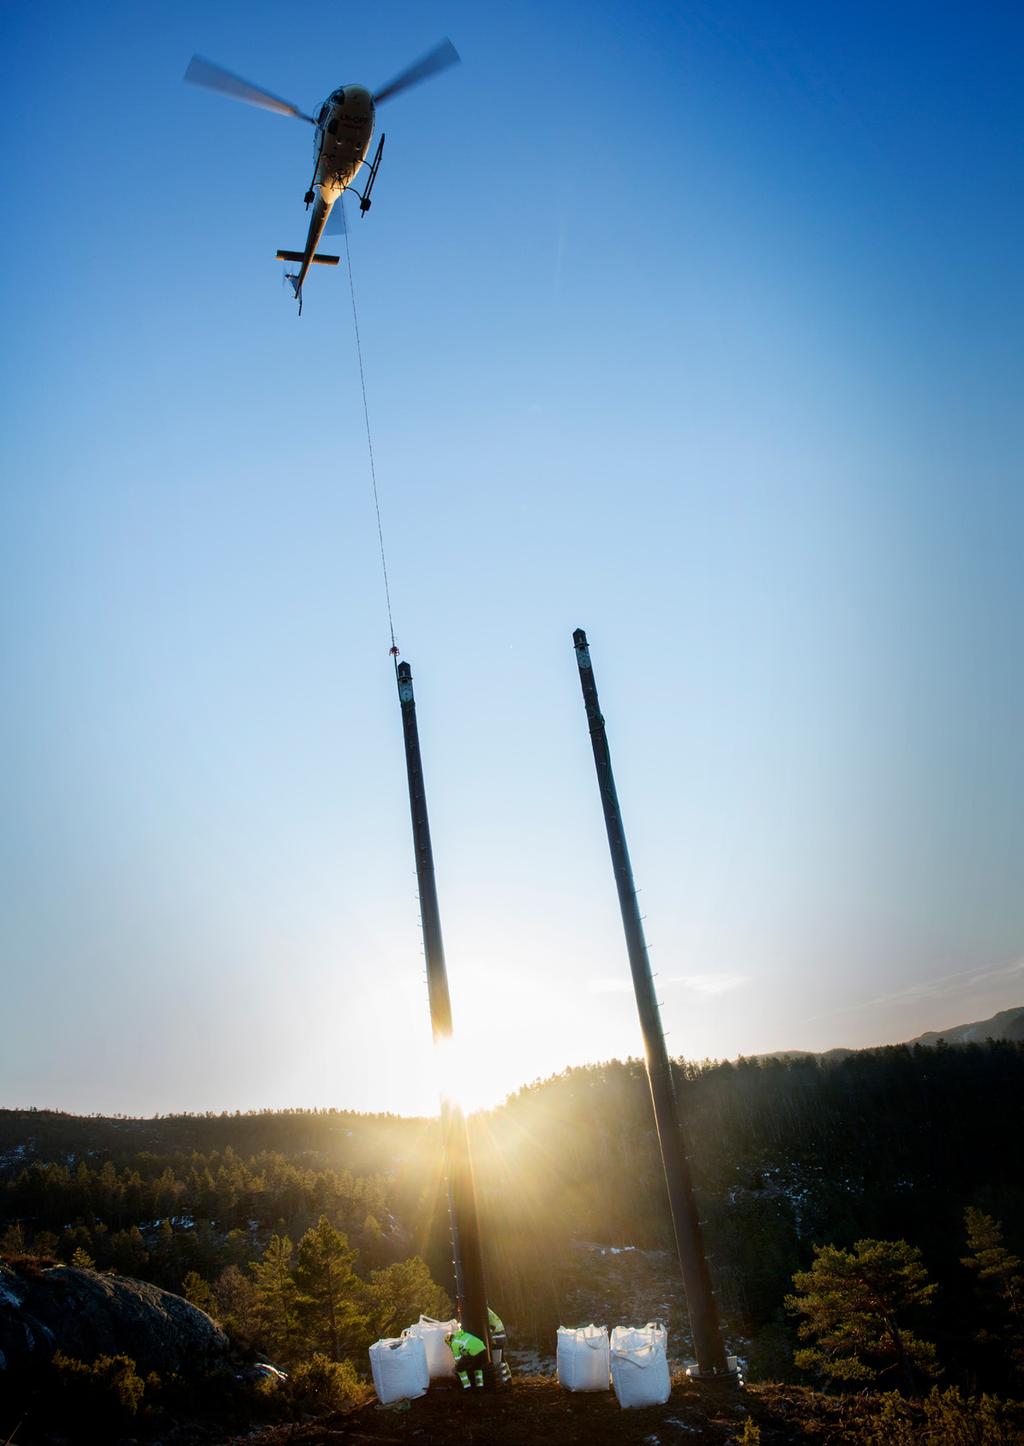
[[697, 325]]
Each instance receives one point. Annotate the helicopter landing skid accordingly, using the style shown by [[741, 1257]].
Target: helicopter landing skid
[[364, 196]]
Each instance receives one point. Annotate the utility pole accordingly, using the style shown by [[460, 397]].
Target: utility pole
[[700, 1300], [467, 1259]]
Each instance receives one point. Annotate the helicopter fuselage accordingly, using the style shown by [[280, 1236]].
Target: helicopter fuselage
[[344, 129]]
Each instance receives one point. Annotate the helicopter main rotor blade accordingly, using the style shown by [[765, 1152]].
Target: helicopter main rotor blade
[[437, 59], [215, 77]]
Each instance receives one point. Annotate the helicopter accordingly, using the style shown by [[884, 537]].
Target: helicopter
[[343, 132]]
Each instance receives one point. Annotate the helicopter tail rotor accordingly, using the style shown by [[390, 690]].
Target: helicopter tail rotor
[[296, 284]]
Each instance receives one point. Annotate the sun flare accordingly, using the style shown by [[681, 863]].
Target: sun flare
[[462, 1074]]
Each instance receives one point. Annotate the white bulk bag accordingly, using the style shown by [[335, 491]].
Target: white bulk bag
[[640, 1365], [582, 1358], [440, 1361], [399, 1369]]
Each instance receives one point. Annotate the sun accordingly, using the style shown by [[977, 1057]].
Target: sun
[[463, 1077]]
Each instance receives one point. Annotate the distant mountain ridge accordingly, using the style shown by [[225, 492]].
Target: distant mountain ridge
[[1007, 1024]]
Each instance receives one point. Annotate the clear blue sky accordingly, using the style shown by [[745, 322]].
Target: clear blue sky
[[697, 325]]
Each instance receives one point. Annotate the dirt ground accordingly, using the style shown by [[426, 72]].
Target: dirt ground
[[535, 1411]]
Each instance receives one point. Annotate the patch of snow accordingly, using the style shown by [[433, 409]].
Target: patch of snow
[[531, 1363]]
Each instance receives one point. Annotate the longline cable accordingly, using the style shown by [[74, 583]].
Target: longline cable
[[369, 447]]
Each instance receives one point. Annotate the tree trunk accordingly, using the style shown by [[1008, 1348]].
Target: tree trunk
[[906, 1369]]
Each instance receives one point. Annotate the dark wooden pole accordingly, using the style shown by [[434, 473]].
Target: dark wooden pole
[[700, 1300], [467, 1258]]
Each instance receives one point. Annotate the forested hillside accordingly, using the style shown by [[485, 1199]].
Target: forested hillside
[[893, 1143], [789, 1154]]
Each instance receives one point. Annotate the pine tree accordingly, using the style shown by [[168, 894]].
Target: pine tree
[[854, 1304], [332, 1299], [276, 1297], [372, 1243], [400, 1294], [77, 1240], [163, 1256], [1000, 1281], [235, 1299], [197, 1291], [129, 1251]]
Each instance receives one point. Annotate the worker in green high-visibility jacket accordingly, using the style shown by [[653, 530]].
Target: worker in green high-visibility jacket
[[498, 1343], [467, 1348]]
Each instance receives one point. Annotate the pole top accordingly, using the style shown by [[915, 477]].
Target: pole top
[[403, 675], [579, 638]]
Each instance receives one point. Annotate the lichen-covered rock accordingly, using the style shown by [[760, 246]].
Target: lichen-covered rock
[[86, 1314]]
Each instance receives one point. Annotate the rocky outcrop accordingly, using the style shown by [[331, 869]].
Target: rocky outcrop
[[86, 1314]]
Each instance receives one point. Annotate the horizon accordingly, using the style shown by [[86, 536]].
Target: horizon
[[699, 330], [481, 1108]]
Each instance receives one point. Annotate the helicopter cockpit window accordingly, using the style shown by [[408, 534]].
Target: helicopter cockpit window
[[321, 117], [338, 98]]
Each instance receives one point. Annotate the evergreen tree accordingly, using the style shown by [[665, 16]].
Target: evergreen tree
[[854, 1305], [236, 1249], [372, 1243], [332, 1299], [197, 1291], [129, 1251], [163, 1257], [235, 1300], [401, 1293], [276, 1297], [1000, 1282], [76, 1241]]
